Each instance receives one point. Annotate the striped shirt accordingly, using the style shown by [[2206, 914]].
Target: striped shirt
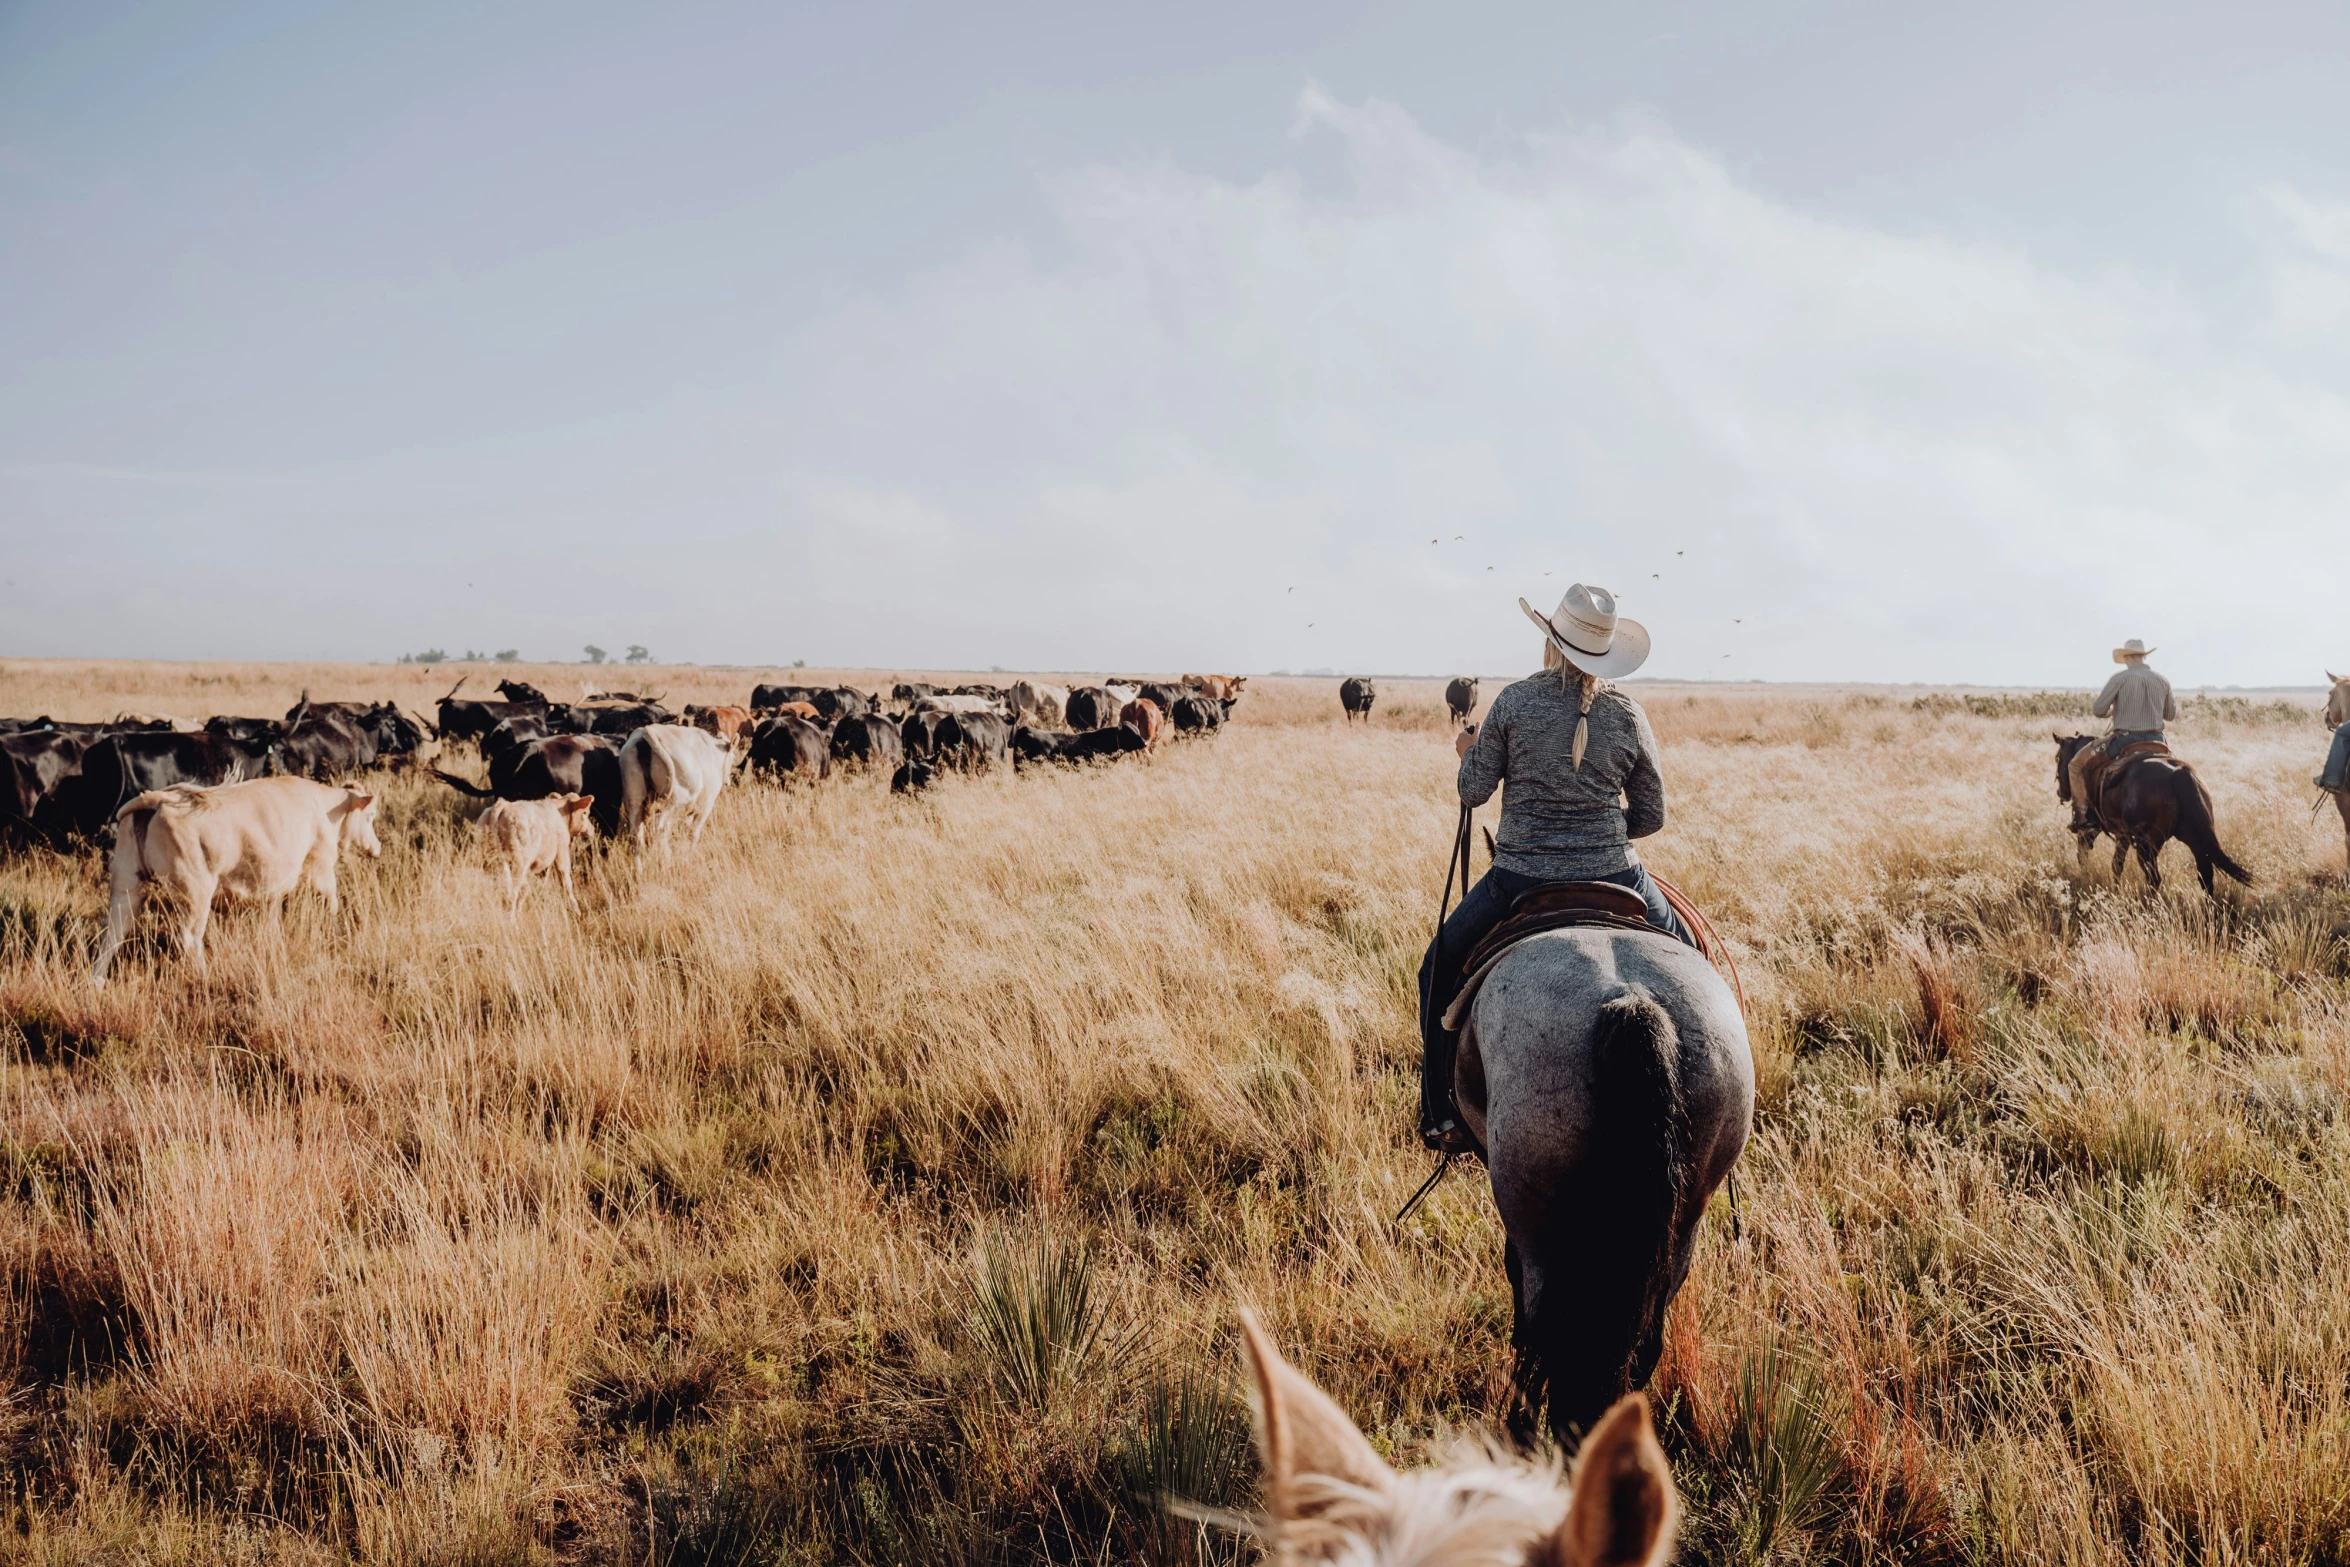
[[1558, 824]]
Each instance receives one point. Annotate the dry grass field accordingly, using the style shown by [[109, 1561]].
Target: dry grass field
[[875, 1182]]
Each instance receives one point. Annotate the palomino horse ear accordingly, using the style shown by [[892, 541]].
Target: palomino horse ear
[[1624, 1509], [1301, 1432]]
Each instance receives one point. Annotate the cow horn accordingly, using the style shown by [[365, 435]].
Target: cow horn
[[426, 724]]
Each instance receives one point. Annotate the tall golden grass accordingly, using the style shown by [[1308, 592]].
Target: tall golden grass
[[876, 1182]]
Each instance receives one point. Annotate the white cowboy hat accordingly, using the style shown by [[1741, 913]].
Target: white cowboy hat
[[2129, 650], [1590, 635]]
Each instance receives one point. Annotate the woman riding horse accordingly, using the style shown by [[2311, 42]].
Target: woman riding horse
[[1580, 765]]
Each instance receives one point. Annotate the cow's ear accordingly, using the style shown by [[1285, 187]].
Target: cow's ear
[[577, 803], [359, 802]]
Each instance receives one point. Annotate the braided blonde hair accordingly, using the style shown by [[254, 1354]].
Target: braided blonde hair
[[1569, 676]]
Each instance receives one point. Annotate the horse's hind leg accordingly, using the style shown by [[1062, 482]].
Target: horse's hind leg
[[1529, 1385], [2148, 855]]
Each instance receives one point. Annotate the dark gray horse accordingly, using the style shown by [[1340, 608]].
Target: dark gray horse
[[1606, 1072]]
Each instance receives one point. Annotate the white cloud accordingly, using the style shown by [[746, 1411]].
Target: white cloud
[[1891, 456]]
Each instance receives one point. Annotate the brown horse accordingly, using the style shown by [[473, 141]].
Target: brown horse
[[2338, 714], [2145, 803]]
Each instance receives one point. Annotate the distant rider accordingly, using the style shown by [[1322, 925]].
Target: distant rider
[[1581, 767], [2336, 777], [2139, 702]]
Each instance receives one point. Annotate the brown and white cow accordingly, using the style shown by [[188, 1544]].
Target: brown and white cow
[[1222, 688], [1142, 715], [255, 841], [671, 772], [1034, 702], [526, 838]]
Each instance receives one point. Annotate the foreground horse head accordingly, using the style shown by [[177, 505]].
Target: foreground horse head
[[1330, 1498], [1606, 1072]]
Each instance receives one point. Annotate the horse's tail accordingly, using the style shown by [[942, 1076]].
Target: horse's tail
[[2197, 831], [1614, 1303]]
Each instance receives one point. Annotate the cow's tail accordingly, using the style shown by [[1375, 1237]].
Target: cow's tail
[[464, 785], [2198, 831], [1595, 1330]]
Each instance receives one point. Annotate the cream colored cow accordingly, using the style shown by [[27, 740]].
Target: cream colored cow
[[526, 838], [672, 772], [255, 841]]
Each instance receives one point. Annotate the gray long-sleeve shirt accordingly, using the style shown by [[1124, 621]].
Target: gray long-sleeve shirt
[[1558, 824], [2138, 700]]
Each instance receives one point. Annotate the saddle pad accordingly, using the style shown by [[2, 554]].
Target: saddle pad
[[2130, 753], [1545, 909]]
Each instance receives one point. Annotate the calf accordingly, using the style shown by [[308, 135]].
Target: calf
[[255, 841], [1356, 696], [1143, 716], [671, 771], [526, 838]]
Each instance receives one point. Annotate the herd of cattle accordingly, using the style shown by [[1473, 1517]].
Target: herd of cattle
[[64, 781], [255, 808]]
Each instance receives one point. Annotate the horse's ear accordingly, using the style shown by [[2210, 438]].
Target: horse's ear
[[1623, 1509], [1301, 1432]]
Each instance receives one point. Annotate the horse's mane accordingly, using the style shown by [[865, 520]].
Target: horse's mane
[[1478, 1506]]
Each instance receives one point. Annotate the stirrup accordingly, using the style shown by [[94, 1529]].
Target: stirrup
[[1448, 1137]]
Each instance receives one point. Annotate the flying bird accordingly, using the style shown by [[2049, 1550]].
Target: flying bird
[[1456, 538], [1735, 621], [1432, 541], [1656, 575], [1680, 552]]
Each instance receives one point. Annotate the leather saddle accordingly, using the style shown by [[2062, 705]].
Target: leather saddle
[[2113, 763], [1554, 908]]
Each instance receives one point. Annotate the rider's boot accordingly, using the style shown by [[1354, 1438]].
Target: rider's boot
[[1441, 1127]]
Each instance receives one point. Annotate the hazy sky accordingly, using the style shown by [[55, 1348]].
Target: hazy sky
[[1844, 341]]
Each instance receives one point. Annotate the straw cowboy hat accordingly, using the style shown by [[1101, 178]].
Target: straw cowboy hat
[[1590, 635], [2129, 650]]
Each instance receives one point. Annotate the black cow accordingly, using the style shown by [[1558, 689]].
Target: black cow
[[920, 732], [971, 740], [1047, 745], [868, 740], [1090, 707], [981, 688], [553, 764], [1356, 696], [119, 767], [1460, 697], [520, 691], [623, 719], [1163, 693], [325, 745], [1198, 715], [908, 690], [912, 777], [34, 765], [394, 734], [835, 703], [791, 747], [470, 719], [765, 697]]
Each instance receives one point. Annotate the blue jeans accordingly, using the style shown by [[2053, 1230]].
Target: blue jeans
[[2337, 758], [1484, 906]]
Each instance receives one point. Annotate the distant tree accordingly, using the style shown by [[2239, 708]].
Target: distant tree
[[431, 655], [508, 655], [637, 654], [474, 657], [799, 663], [595, 654]]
